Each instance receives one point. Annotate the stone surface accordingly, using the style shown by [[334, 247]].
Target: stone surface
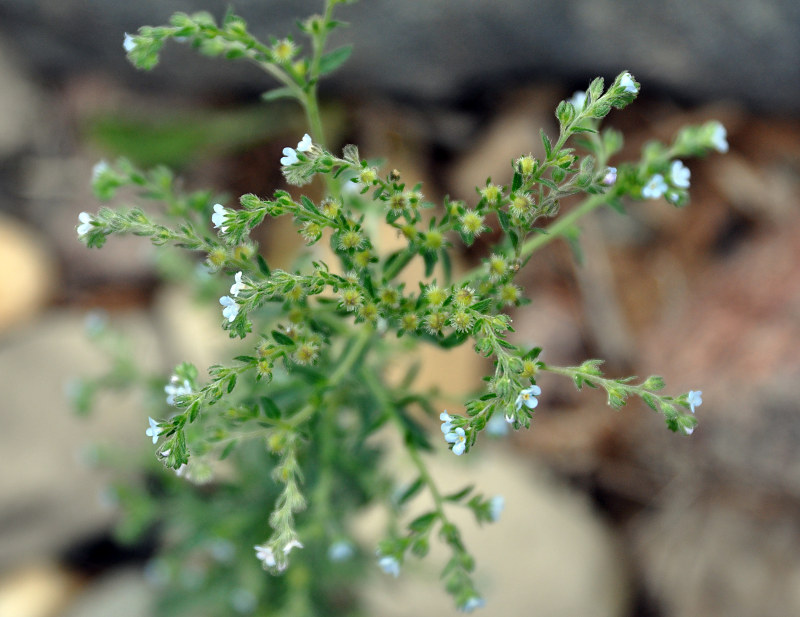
[[27, 275], [124, 593], [49, 496], [39, 590], [709, 49], [550, 553]]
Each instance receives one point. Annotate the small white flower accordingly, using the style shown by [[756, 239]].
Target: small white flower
[[719, 138], [471, 604], [99, 168], [230, 308], [694, 398], [129, 43], [496, 505], [289, 157], [86, 225], [154, 431], [238, 285], [626, 81], [341, 550], [304, 145], [173, 389], [459, 440], [265, 555], [610, 177], [655, 187], [528, 398], [293, 544], [447, 422], [578, 100], [679, 174], [390, 565], [219, 217], [182, 470]]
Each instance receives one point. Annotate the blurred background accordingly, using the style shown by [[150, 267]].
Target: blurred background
[[607, 514]]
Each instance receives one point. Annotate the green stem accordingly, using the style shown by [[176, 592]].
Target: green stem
[[560, 227], [344, 367], [380, 393]]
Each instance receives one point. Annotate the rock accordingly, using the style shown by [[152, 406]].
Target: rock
[[51, 497], [124, 593], [709, 552], [432, 52], [549, 554], [36, 590], [27, 275]]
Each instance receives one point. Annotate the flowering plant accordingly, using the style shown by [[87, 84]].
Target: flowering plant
[[309, 390]]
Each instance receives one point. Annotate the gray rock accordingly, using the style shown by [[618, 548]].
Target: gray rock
[[49, 496], [549, 554], [124, 593], [709, 49]]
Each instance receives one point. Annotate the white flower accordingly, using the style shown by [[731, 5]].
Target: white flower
[[496, 505], [304, 145], [459, 440], [679, 174], [154, 431], [610, 177], [447, 422], [390, 565], [87, 221], [341, 550], [265, 555], [219, 217], [293, 544], [181, 471], [655, 187], [626, 81], [289, 157], [578, 100], [528, 398], [99, 168], [694, 398], [719, 138], [173, 389], [471, 604], [238, 285], [231, 309], [129, 43]]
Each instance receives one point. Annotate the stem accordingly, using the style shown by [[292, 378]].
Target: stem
[[561, 225], [380, 393], [345, 366], [310, 100]]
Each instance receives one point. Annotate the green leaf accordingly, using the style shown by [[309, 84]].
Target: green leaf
[[282, 339], [334, 59], [516, 182], [422, 523], [411, 491], [548, 148], [650, 400], [278, 93], [232, 383], [227, 451], [430, 262], [458, 496]]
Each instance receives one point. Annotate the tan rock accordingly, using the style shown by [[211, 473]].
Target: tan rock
[[27, 273]]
